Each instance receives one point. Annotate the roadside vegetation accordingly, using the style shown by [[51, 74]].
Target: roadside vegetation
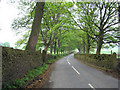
[[61, 27], [31, 74], [107, 63]]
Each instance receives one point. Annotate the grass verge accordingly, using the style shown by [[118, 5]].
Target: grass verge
[[18, 83], [110, 72]]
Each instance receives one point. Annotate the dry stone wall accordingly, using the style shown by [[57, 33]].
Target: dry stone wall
[[16, 63], [104, 60]]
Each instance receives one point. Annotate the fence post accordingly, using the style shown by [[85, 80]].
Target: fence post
[[114, 60], [111, 51]]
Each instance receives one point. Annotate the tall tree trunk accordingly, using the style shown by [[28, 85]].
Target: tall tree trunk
[[58, 46], [51, 46], [61, 51], [57, 51], [88, 44], [83, 46], [55, 47], [36, 26], [46, 47], [44, 54], [119, 11], [99, 43], [99, 46], [83, 49]]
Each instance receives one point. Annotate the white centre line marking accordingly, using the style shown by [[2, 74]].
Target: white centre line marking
[[67, 59], [69, 63], [91, 86], [76, 70]]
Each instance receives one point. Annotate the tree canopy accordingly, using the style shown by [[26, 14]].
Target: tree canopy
[[65, 26]]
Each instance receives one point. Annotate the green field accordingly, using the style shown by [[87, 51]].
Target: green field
[[105, 52], [108, 51]]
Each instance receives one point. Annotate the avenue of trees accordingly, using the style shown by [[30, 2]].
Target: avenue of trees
[[64, 26]]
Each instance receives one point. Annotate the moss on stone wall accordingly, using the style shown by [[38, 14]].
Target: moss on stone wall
[[16, 63], [107, 61]]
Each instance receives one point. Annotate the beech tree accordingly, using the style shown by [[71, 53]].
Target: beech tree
[[36, 26], [31, 21], [102, 15]]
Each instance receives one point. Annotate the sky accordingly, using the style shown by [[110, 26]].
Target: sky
[[7, 14]]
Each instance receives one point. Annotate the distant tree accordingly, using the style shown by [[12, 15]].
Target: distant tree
[[6, 44], [1, 44]]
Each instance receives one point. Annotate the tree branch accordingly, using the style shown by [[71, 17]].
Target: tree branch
[[110, 25]]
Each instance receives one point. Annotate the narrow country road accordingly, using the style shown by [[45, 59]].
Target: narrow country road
[[71, 73]]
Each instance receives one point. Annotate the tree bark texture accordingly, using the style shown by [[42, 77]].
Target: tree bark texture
[[83, 46], [80, 49], [51, 46], [55, 47], [100, 42], [36, 26], [119, 11], [88, 44]]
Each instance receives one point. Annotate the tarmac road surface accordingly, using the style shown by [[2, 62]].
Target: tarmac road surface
[[69, 72]]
